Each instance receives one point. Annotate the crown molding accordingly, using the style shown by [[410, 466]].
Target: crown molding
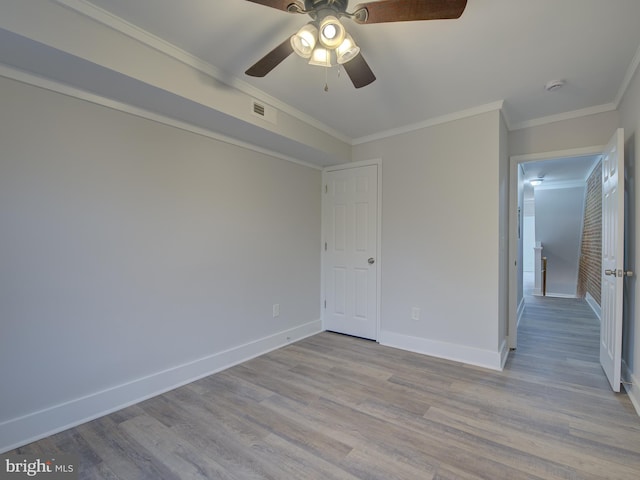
[[57, 87], [583, 112], [89, 10], [555, 154], [471, 112], [559, 185], [631, 71]]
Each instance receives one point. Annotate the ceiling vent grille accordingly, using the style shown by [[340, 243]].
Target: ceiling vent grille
[[266, 112], [258, 109]]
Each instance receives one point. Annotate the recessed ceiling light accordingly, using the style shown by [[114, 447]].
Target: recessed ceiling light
[[534, 182], [554, 85]]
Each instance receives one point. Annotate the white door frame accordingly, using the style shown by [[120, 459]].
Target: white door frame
[[363, 163], [515, 310]]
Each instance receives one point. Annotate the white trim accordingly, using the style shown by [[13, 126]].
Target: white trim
[[632, 390], [120, 25], [53, 86], [561, 295], [514, 163], [505, 116], [37, 425], [504, 353], [449, 351], [471, 112], [556, 154], [358, 164], [594, 305], [558, 185], [583, 112], [363, 163], [631, 71]]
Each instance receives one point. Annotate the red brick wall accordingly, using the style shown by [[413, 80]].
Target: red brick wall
[[591, 252]]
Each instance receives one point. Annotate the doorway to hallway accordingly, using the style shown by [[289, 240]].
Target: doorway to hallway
[[558, 342]]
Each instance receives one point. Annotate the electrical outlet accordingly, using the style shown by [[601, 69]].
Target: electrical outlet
[[276, 310], [415, 313]]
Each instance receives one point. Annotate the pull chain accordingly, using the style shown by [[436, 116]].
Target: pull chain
[[326, 73]]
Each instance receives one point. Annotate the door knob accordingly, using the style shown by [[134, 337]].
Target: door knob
[[371, 261]]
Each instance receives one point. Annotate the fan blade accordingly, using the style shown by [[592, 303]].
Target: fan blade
[[408, 10], [281, 5], [359, 71], [271, 60]]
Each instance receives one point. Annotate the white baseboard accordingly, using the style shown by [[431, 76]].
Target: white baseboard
[[504, 353], [561, 295], [459, 353], [594, 305], [37, 425], [633, 390]]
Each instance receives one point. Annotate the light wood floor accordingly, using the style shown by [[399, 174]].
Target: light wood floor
[[336, 407]]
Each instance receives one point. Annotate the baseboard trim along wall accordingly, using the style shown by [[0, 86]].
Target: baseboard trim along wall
[[594, 305], [632, 386], [449, 351], [37, 425], [561, 295]]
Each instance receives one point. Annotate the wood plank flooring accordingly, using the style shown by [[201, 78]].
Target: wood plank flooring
[[337, 407]]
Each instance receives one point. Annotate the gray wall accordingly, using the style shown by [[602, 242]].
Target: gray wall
[[134, 256], [579, 132], [442, 237], [559, 217]]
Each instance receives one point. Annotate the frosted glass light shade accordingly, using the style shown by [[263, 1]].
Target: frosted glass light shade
[[332, 32], [320, 57], [304, 41], [347, 50]]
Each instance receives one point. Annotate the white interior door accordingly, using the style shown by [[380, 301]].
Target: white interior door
[[350, 263], [612, 258]]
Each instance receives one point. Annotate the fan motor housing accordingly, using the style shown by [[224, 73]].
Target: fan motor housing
[[338, 5]]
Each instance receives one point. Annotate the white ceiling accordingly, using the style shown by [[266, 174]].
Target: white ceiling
[[560, 172], [498, 50]]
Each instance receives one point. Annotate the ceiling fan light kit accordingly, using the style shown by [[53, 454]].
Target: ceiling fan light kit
[[319, 44], [332, 32], [320, 57], [347, 50], [304, 41], [325, 37]]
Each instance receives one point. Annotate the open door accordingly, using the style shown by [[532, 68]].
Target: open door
[[612, 258]]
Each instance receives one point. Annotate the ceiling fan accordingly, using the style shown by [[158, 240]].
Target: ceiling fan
[[324, 38]]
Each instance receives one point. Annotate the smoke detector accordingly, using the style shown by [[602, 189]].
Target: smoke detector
[[554, 85]]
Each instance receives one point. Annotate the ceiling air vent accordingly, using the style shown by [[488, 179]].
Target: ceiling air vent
[[258, 109], [266, 112]]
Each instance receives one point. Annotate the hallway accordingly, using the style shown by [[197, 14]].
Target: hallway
[[558, 339]]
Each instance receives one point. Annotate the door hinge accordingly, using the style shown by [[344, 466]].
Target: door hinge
[[325, 246], [326, 189], [325, 304]]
